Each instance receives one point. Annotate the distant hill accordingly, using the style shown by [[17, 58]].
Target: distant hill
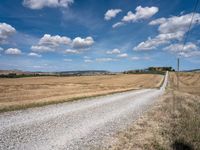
[[19, 73], [10, 71], [193, 70], [83, 72]]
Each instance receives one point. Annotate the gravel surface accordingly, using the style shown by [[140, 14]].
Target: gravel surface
[[83, 124]]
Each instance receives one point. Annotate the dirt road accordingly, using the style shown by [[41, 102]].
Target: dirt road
[[83, 124]]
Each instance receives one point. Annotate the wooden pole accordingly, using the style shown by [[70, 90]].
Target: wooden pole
[[178, 65]]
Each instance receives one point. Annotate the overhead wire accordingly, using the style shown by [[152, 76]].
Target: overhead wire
[[190, 25]]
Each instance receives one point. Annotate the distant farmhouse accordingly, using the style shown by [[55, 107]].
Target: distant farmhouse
[[159, 70]]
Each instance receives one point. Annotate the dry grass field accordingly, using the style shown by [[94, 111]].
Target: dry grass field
[[35, 91], [172, 124], [188, 82]]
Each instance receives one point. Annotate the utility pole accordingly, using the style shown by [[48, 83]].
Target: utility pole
[[178, 65]]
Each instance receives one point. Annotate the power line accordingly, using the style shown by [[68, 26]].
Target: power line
[[188, 32], [186, 38]]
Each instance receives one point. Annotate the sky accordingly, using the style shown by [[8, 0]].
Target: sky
[[113, 35]]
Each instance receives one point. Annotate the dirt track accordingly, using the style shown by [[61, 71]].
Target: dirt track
[[77, 125]]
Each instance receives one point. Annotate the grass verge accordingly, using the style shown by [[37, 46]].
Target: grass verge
[[172, 123]]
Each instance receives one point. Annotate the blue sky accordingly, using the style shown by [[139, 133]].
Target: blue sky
[[114, 35]]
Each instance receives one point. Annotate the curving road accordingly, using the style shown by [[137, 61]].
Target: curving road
[[83, 124]]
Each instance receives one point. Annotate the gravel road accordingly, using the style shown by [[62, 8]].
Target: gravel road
[[83, 124]]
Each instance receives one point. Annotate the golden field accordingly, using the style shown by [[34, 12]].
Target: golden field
[[20, 93], [188, 82]]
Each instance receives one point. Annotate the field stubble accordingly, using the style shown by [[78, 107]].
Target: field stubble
[[37, 91]]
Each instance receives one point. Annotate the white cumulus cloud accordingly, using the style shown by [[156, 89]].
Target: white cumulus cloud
[[82, 43], [118, 24], [6, 30], [160, 39], [41, 49], [56, 40], [111, 13], [158, 21], [13, 51], [39, 4], [124, 55], [172, 28], [114, 51], [71, 51], [187, 50], [176, 23], [141, 13], [50, 43], [34, 54]]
